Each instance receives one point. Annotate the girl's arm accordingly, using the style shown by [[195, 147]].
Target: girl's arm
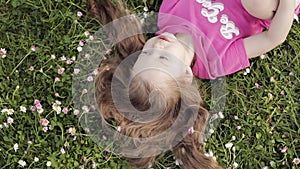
[[281, 24]]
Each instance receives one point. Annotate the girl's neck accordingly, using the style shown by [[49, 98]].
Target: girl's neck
[[187, 41]]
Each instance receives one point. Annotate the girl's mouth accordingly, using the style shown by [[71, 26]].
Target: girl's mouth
[[164, 38]]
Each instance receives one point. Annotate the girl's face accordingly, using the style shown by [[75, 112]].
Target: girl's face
[[163, 57]]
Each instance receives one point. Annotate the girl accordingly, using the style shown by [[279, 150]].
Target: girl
[[205, 38]]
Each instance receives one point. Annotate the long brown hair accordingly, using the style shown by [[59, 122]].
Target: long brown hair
[[189, 150]]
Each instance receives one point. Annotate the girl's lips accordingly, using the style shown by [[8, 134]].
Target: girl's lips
[[164, 38]]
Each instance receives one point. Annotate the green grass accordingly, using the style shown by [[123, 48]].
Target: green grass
[[271, 123]]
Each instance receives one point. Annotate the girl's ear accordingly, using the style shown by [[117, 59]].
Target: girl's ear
[[188, 78]]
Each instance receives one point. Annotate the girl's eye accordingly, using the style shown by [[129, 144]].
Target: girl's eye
[[163, 57]]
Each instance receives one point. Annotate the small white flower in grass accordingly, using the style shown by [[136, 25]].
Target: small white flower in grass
[[283, 149], [33, 48], [248, 70], [272, 79], [44, 122], [66, 144], [62, 150], [33, 108], [96, 72], [29, 142], [81, 167], [10, 120], [235, 165], [69, 61], [57, 79], [10, 111], [48, 164], [93, 164], [257, 85], [56, 107], [1, 126], [45, 129], [72, 131], [73, 58], [176, 162], [248, 113], [36, 102], [76, 112], [108, 52], [191, 130], [146, 9], [270, 95], [40, 110], [76, 71], [79, 14], [235, 117], [265, 167], [53, 56], [85, 160], [169, 167], [6, 125], [38, 106], [61, 71], [79, 48], [145, 15], [119, 128], [36, 159], [84, 91], [81, 43], [296, 161], [3, 56], [63, 58], [262, 56], [16, 147], [210, 154], [228, 145], [23, 109], [90, 79], [86, 33], [233, 138], [272, 163], [65, 110], [4, 111], [221, 115], [238, 127], [211, 131], [3, 51], [91, 37], [87, 129], [233, 148], [85, 108], [22, 163], [245, 73]]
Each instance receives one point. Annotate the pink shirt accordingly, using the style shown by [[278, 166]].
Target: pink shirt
[[218, 28]]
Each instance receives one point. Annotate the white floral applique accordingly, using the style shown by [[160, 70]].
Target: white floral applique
[[211, 10], [228, 28]]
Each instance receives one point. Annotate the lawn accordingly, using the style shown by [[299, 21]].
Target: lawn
[[40, 42]]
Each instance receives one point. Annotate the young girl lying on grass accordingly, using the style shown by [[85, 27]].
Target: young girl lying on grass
[[205, 38]]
